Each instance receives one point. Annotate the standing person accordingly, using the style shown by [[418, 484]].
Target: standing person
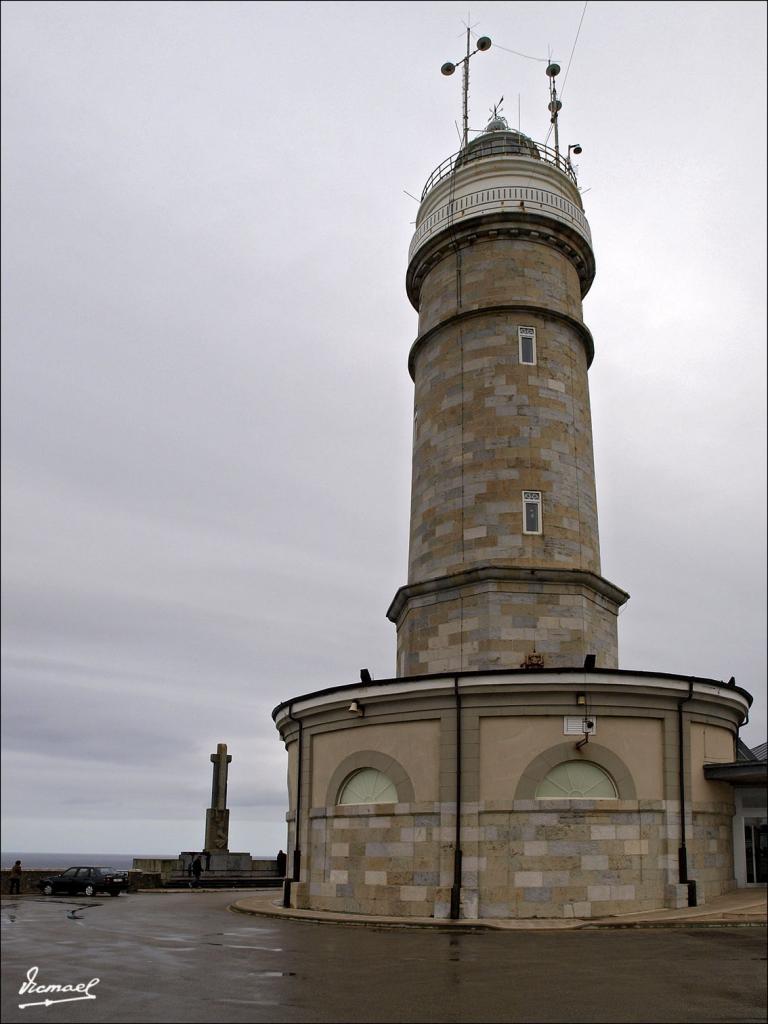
[[197, 870], [281, 861], [189, 866], [207, 855], [15, 887]]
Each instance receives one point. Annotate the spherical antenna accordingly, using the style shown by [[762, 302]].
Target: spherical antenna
[[577, 149], [553, 70], [484, 43], [448, 68]]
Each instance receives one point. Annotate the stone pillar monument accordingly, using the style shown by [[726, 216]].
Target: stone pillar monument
[[217, 816]]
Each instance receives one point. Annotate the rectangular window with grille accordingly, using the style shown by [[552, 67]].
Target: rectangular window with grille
[[531, 511], [526, 338]]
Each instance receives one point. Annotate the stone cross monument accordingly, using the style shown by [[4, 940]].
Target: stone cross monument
[[217, 816]]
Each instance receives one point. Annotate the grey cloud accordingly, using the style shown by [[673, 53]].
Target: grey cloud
[[206, 409]]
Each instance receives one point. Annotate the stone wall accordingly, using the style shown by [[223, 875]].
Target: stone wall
[[500, 622], [710, 849], [555, 859], [497, 270], [521, 856], [487, 427], [30, 880], [376, 860], [524, 859]]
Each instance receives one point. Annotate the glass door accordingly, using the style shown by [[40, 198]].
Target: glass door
[[756, 849]]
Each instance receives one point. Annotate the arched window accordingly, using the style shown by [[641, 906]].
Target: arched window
[[368, 786], [576, 780]]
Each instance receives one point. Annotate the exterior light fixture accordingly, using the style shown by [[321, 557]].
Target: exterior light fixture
[[355, 709]]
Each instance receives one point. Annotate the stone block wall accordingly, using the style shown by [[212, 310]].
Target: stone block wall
[[547, 861], [30, 880], [487, 427], [524, 859], [498, 270], [500, 622], [710, 849], [376, 859], [521, 856]]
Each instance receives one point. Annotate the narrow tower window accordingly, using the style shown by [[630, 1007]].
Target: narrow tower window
[[526, 337], [531, 511]]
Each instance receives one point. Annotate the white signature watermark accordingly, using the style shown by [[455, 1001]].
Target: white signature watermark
[[31, 987]]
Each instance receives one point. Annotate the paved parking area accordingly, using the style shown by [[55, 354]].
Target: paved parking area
[[186, 957]]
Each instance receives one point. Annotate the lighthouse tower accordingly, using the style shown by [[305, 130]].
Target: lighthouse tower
[[470, 785], [504, 559]]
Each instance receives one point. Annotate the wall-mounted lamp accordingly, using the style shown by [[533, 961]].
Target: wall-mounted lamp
[[355, 709], [581, 698], [576, 149]]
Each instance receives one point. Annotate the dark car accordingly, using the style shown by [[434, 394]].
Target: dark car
[[86, 880]]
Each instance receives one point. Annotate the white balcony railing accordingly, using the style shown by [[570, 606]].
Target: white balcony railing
[[509, 198]]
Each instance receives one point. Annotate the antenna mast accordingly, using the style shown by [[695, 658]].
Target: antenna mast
[[483, 43], [465, 97], [555, 106]]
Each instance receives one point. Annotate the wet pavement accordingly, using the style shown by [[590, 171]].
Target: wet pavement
[[186, 957]]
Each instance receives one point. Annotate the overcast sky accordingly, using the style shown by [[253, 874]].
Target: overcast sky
[[207, 410]]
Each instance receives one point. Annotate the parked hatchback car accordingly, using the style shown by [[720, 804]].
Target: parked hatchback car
[[86, 880]]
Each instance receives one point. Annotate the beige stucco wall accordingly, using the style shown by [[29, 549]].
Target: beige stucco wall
[[710, 744], [639, 742], [415, 745], [509, 744]]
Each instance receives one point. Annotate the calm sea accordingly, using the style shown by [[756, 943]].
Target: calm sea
[[43, 861]]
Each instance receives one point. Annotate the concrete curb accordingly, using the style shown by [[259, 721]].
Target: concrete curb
[[358, 921], [751, 916]]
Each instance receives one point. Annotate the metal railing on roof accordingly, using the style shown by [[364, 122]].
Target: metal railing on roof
[[509, 198], [499, 144]]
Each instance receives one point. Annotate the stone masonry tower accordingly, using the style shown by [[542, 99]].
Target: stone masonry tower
[[504, 562]]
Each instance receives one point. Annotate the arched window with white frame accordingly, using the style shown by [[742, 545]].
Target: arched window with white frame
[[368, 786], [577, 780]]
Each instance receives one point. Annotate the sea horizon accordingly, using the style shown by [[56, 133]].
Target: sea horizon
[[41, 861]]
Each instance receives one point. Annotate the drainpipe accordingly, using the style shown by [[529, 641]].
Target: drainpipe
[[741, 726], [296, 875], [456, 887], [682, 853]]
